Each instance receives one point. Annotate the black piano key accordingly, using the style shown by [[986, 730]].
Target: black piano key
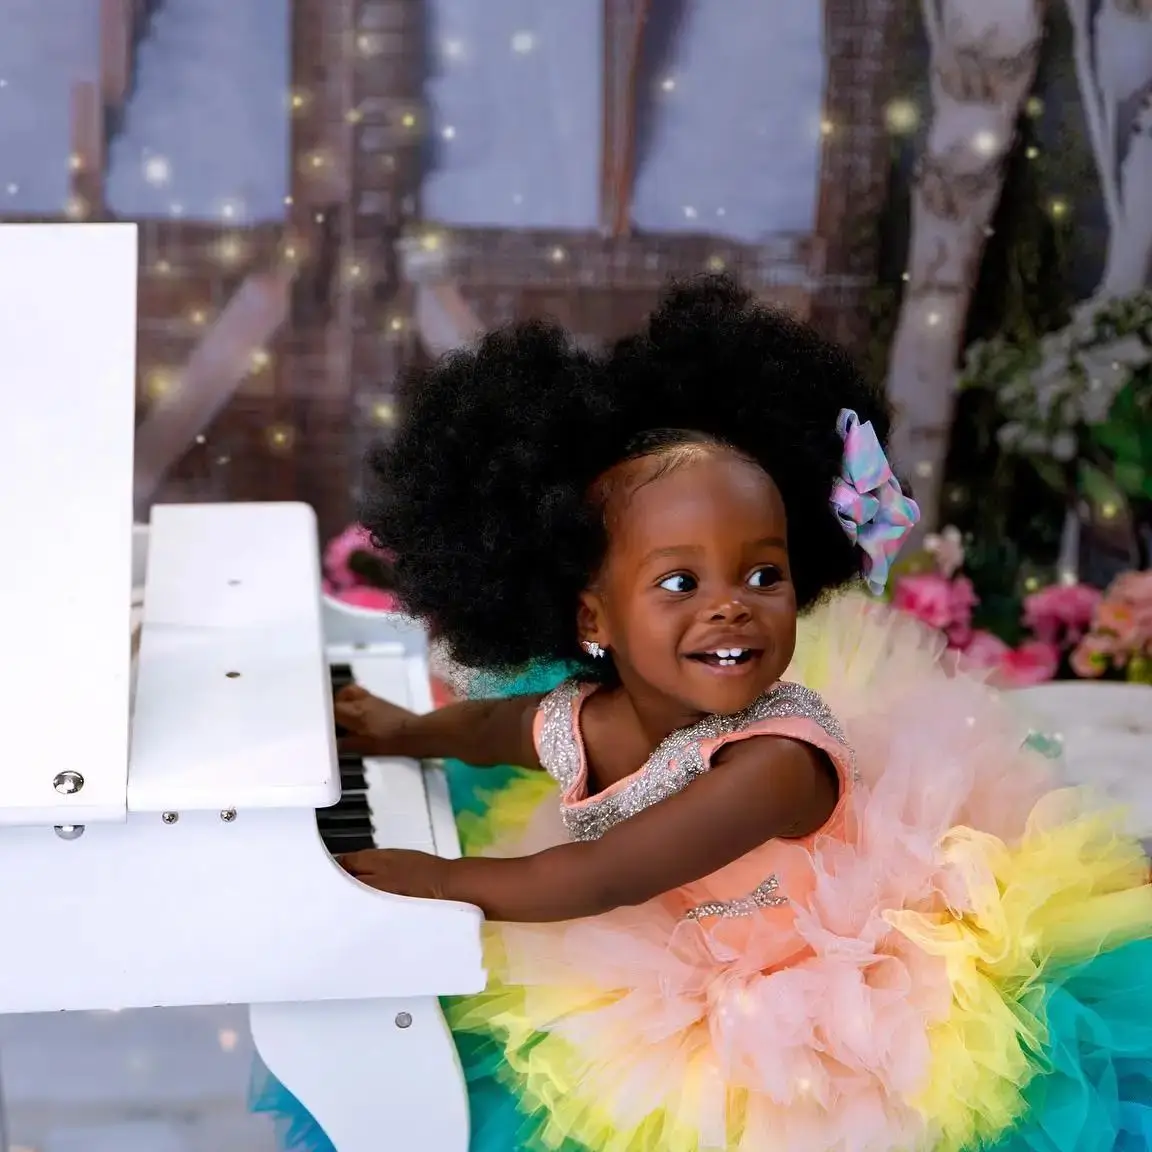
[[334, 818], [338, 843], [352, 773], [341, 676], [349, 802], [346, 826], [352, 781]]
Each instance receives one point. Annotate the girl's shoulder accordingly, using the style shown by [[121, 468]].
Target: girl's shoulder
[[567, 721]]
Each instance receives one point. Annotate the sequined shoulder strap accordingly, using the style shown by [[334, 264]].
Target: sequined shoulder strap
[[556, 733], [788, 709], [788, 700]]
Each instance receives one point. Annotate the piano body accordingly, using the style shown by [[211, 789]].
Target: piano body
[[177, 852]]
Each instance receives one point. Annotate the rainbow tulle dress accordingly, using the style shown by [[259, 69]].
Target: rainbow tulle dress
[[961, 958]]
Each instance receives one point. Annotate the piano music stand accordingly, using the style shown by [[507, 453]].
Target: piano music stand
[[67, 383]]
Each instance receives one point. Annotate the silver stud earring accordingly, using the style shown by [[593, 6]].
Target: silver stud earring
[[593, 649]]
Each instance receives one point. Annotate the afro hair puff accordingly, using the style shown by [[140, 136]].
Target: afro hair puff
[[483, 494]]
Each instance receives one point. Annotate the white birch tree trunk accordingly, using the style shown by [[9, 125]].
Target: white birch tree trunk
[[983, 62], [1112, 48], [1113, 56]]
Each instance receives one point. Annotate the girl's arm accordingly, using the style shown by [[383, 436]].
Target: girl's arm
[[758, 789], [483, 733]]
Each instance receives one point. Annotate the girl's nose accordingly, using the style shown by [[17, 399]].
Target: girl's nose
[[730, 611]]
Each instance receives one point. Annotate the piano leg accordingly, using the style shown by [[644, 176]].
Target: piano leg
[[373, 1073]]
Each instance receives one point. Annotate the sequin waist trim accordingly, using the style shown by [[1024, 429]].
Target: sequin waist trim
[[766, 895]]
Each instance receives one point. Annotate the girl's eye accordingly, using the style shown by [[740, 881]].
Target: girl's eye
[[680, 582], [765, 577]]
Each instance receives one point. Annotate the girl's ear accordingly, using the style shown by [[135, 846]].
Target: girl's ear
[[590, 624]]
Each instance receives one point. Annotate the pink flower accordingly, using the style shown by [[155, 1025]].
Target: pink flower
[[1133, 587], [1061, 613], [959, 636], [984, 651], [339, 552], [928, 597], [964, 599], [1127, 610], [354, 538], [1092, 656], [1117, 619], [374, 599], [1034, 662], [947, 551]]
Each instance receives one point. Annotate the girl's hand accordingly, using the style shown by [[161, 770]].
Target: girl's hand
[[375, 726], [397, 870]]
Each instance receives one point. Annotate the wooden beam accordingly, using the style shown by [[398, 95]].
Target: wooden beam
[[87, 152], [624, 22], [119, 22], [215, 370], [854, 159]]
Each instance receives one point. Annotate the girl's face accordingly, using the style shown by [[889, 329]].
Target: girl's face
[[694, 600]]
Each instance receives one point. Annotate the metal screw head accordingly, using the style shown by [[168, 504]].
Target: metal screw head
[[170, 817], [68, 783], [403, 1019], [228, 815], [69, 831]]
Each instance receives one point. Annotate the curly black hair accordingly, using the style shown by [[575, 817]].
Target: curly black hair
[[483, 496]]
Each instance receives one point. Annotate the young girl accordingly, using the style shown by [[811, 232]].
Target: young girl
[[750, 891]]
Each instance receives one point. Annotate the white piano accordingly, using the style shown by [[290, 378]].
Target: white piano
[[165, 821]]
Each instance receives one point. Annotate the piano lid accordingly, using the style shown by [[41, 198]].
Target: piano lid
[[67, 386], [233, 703]]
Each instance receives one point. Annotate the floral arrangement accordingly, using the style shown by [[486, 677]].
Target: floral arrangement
[[357, 573], [1076, 403], [1119, 642], [1060, 623]]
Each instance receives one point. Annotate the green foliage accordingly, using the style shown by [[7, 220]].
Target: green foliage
[[1076, 404]]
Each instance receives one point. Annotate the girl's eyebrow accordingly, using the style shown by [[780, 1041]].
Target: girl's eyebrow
[[673, 550], [694, 549]]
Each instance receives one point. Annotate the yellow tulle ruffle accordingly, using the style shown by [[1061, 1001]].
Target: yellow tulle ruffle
[[566, 1088], [1069, 890]]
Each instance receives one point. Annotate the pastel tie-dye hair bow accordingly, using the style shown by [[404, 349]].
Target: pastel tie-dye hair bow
[[868, 500]]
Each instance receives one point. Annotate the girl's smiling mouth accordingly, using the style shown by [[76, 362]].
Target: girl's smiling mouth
[[727, 659]]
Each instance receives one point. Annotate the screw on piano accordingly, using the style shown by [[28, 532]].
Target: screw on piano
[[170, 817], [228, 815], [68, 783], [69, 831], [403, 1019]]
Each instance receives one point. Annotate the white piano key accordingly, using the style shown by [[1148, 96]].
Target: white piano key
[[384, 674], [398, 800], [397, 792], [444, 832]]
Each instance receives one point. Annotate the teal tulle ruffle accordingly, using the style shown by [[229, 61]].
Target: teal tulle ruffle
[[1096, 1094], [296, 1130]]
